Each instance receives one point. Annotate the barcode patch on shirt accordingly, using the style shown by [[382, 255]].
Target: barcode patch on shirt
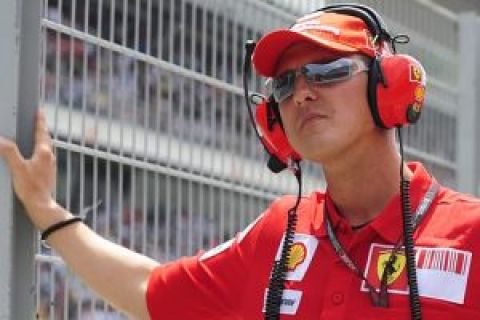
[[443, 259], [442, 273]]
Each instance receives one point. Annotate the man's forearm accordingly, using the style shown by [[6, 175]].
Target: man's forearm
[[115, 273]]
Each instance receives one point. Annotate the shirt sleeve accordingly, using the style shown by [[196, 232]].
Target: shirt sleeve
[[207, 286]]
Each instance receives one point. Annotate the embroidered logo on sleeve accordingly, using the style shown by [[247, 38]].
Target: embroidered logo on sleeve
[[301, 255], [442, 273], [290, 301]]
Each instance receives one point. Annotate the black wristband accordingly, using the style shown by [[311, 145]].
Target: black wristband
[[59, 225]]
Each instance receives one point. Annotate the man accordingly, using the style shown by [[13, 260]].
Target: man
[[327, 118]]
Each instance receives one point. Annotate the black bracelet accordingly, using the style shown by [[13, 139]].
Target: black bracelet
[[59, 225]]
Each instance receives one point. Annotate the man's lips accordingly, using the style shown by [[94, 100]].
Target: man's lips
[[311, 117]]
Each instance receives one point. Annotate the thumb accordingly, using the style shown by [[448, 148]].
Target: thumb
[[9, 151]]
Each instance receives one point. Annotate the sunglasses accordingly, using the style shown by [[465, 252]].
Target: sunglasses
[[282, 87]]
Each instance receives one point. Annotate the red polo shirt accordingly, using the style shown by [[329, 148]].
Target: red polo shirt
[[229, 282]]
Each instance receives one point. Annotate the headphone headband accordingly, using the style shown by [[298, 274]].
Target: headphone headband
[[371, 18]]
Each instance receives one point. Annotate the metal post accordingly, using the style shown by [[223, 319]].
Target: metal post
[[19, 62], [469, 103]]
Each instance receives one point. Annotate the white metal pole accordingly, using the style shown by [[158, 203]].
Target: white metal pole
[[19, 92], [468, 131]]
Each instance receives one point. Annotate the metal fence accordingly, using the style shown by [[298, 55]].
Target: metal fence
[[144, 101]]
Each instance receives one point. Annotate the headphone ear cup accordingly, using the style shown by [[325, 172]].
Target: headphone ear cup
[[400, 99], [375, 79], [273, 136]]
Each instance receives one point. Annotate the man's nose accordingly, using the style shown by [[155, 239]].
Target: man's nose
[[303, 90]]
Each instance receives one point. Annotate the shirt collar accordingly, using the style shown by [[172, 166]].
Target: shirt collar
[[388, 223]]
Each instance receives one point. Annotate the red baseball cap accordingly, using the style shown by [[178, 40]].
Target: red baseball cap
[[331, 31]]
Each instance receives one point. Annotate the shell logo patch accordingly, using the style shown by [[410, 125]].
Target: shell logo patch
[[297, 255], [398, 265], [416, 73], [301, 255]]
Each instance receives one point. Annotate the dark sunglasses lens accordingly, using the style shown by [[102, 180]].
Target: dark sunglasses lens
[[323, 73], [282, 86], [338, 70]]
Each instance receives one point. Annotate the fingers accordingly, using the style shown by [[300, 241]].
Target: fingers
[[10, 152], [43, 145], [43, 140]]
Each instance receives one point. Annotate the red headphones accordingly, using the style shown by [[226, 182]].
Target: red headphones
[[396, 91]]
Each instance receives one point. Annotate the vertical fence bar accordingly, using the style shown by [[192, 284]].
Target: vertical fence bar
[[8, 88], [19, 92], [469, 99]]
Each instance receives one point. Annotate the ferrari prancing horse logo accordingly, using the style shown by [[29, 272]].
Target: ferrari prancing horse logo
[[398, 265]]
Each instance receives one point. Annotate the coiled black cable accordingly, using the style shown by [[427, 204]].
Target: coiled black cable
[[408, 228], [280, 267]]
